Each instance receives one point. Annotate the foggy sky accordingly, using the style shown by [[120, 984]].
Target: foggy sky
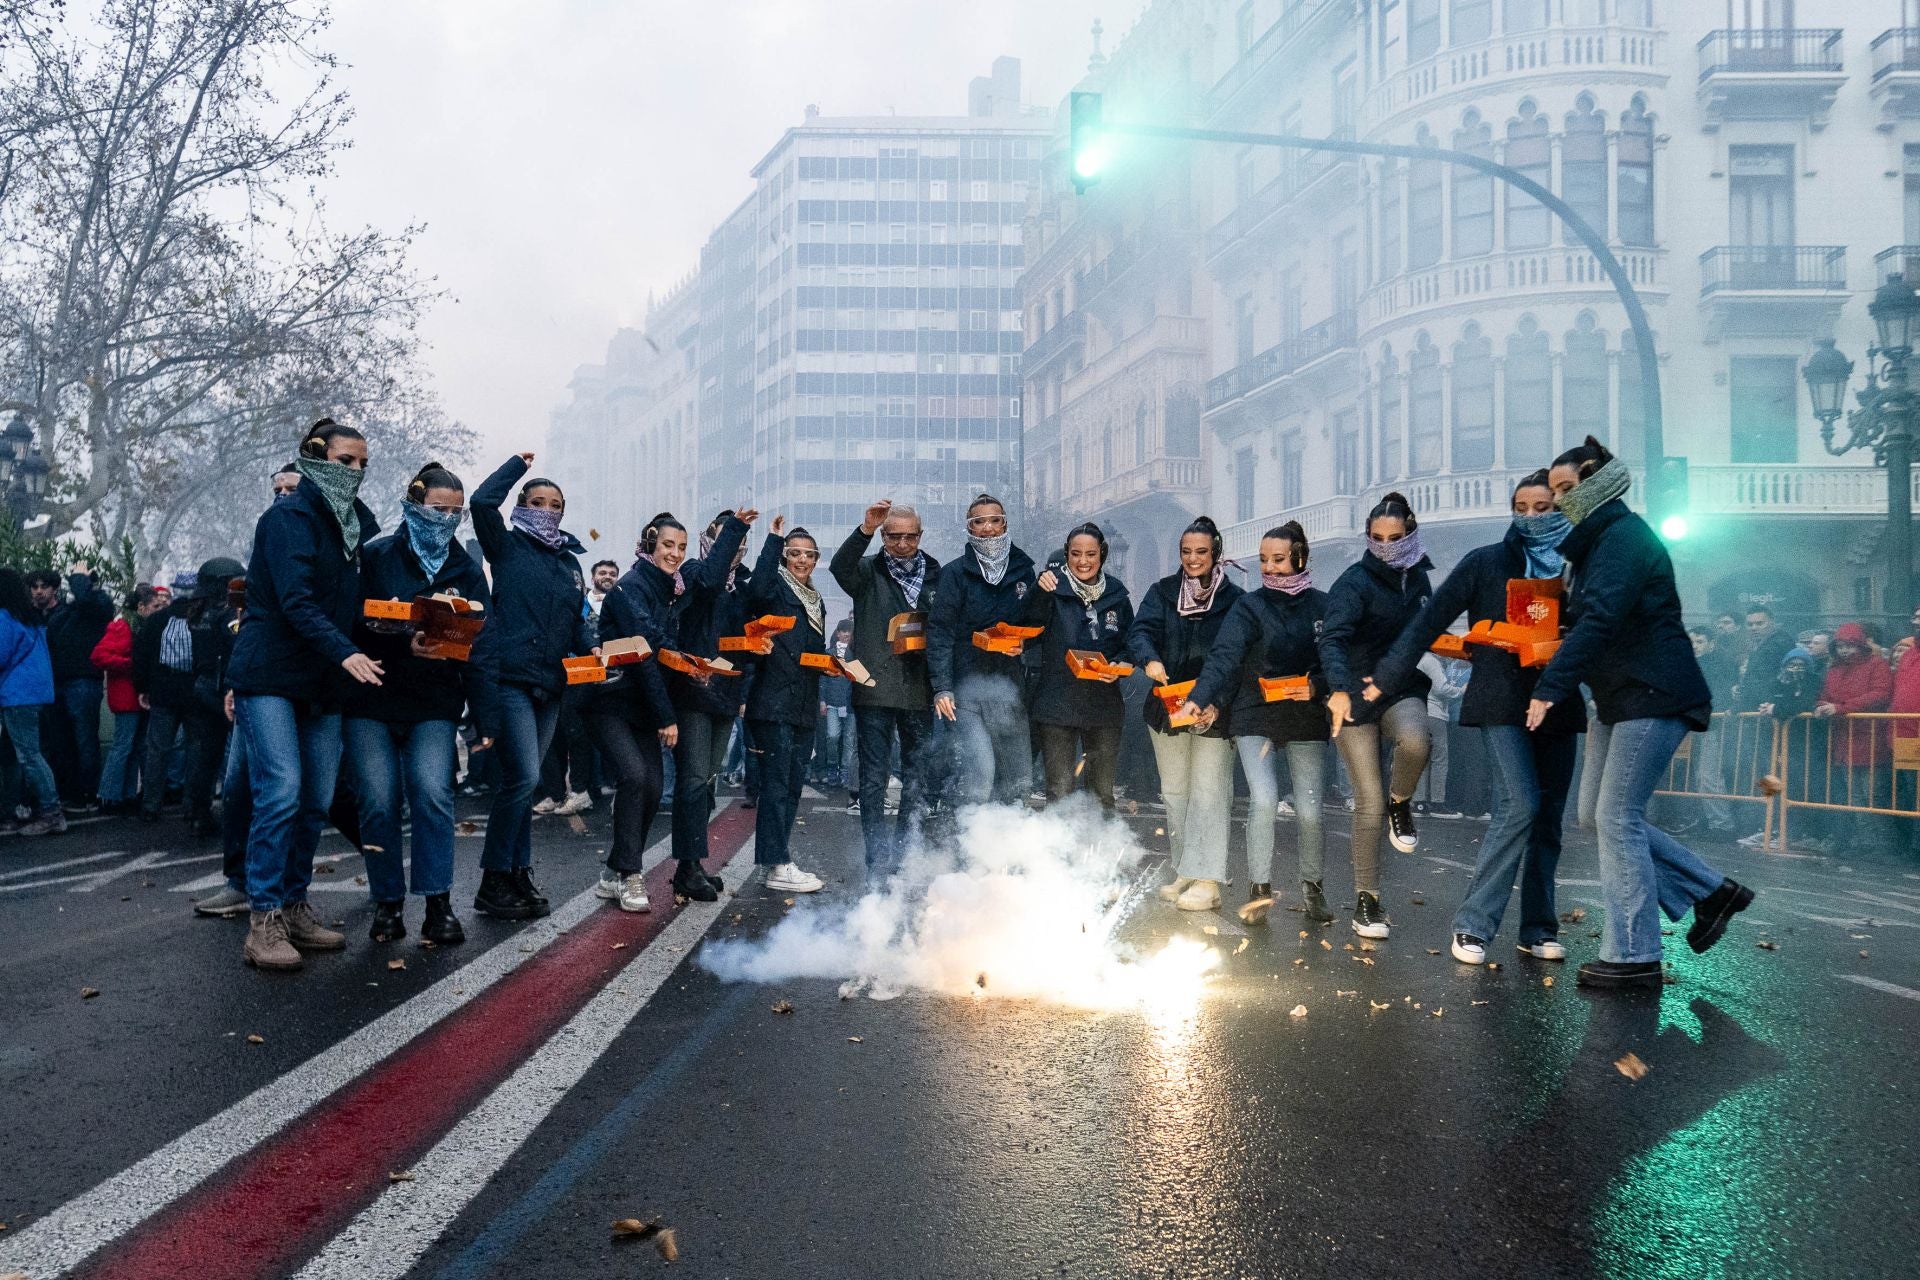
[[569, 155]]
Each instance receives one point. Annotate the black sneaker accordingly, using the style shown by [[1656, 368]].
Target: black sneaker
[[1468, 949], [1443, 813], [501, 898], [1711, 913], [1400, 826], [691, 881], [1315, 908], [1612, 975], [523, 881], [389, 921], [1370, 918]]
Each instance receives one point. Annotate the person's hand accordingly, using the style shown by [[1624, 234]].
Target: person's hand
[[746, 515], [485, 744], [670, 735], [228, 700], [876, 516], [527, 458], [1765, 708], [1537, 712], [1048, 581], [779, 525], [943, 706], [145, 705], [1156, 672], [1340, 707], [1825, 709], [1108, 677], [418, 646], [78, 566], [823, 709], [1372, 692], [363, 668]]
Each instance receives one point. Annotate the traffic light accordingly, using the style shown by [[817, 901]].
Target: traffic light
[[1667, 501], [1086, 143]]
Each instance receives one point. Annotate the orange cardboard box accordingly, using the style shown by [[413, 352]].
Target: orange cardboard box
[[699, 668], [1286, 688], [827, 664], [587, 670], [1004, 637], [622, 653], [1450, 646], [447, 624], [1173, 695], [759, 635], [907, 633], [1088, 665]]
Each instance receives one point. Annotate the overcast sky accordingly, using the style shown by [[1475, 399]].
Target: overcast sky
[[568, 156]]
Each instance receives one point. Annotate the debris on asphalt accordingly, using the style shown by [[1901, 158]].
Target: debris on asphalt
[[1346, 993], [1493, 964], [1863, 955], [1574, 916], [325, 869], [1477, 1003], [578, 823], [1211, 930], [400, 1175], [1631, 1067], [618, 946], [359, 879], [1378, 1005], [373, 848], [1419, 902], [855, 1040], [1436, 1012], [1767, 944], [1365, 960], [1299, 1011], [635, 1229], [466, 828], [1325, 945], [256, 1039], [88, 993], [783, 1006], [1546, 982], [1433, 951], [1247, 942], [1368, 946], [396, 964], [668, 1244]]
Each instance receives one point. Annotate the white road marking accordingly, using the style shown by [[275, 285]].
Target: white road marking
[[1850, 922], [392, 1233], [99, 878], [56, 866], [1876, 984], [219, 878]]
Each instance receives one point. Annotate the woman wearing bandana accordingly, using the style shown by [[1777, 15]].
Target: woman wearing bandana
[[983, 694], [1369, 606], [1082, 606], [1272, 632], [1532, 772], [291, 659], [400, 736], [784, 702], [1628, 645], [1179, 621], [538, 619]]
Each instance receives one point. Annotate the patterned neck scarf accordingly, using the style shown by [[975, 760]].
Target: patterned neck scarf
[[339, 485], [1541, 536], [993, 554], [1089, 592], [809, 599], [1603, 486], [430, 534], [1401, 555], [1196, 599], [1291, 583], [909, 574], [542, 524]]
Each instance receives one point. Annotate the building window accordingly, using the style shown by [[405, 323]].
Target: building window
[[1585, 13], [1425, 211], [1633, 13], [1473, 192], [1140, 433], [1106, 454], [1583, 164], [1529, 397], [1529, 223], [1760, 195], [1470, 21], [1244, 181], [1426, 409], [1181, 428], [1346, 454], [1764, 400], [1243, 328], [1243, 27], [1472, 401], [1292, 463], [1524, 15], [1389, 416], [1583, 383], [1635, 175], [1243, 485], [1910, 221], [1423, 29], [1390, 221]]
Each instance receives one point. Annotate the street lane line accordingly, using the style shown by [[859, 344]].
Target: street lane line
[[1877, 985], [282, 1200], [99, 878], [392, 1233], [45, 867], [64, 1237]]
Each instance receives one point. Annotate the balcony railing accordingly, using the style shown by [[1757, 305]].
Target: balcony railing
[[1271, 44], [1071, 329], [1156, 475], [1310, 344], [1901, 260], [1789, 489], [1182, 336], [1744, 268], [1300, 171], [1896, 50], [1506, 277], [1519, 57], [1770, 50]]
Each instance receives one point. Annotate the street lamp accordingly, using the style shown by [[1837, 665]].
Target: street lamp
[[1884, 420]]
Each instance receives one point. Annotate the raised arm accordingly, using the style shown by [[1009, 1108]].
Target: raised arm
[[845, 565], [706, 574], [487, 500]]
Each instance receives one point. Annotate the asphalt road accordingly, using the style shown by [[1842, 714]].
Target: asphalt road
[[543, 1081]]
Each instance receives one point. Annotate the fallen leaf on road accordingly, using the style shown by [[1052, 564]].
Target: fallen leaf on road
[[635, 1229], [1299, 1011], [88, 993], [783, 1006], [855, 1040], [403, 1175], [396, 964], [1768, 945], [1631, 1067], [578, 823], [668, 1245], [1378, 1005], [1247, 942], [256, 1039]]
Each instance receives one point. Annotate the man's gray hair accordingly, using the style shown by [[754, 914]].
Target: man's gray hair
[[901, 511]]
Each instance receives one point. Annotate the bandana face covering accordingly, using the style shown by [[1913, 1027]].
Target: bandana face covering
[[993, 554], [542, 524], [1603, 486], [1542, 536], [1401, 555], [430, 534], [706, 548], [339, 484], [1290, 583]]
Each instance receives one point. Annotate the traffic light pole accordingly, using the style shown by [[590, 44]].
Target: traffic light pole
[[1654, 434]]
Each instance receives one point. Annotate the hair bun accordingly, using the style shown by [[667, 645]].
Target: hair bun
[[1206, 523]]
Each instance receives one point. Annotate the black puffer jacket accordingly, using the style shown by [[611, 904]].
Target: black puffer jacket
[[1627, 641], [1059, 697], [636, 692], [1500, 688], [412, 690], [703, 613], [537, 616], [200, 688], [965, 602], [1272, 634], [75, 627], [1160, 634], [899, 680], [1369, 606], [782, 689]]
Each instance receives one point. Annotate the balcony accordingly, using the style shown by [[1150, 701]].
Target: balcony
[[1634, 55], [1896, 75], [1311, 185], [1162, 243], [1327, 519], [1790, 489], [1772, 291], [1769, 73], [1043, 435], [1180, 338], [1069, 334], [1308, 350], [1902, 260], [1516, 276], [1177, 478], [1303, 23]]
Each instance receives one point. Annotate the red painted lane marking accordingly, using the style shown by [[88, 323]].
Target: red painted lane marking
[[274, 1206]]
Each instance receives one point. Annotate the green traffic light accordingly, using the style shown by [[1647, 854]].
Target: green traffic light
[[1673, 528], [1086, 143], [1090, 159]]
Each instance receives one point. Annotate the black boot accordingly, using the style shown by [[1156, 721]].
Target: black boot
[[442, 927], [389, 921], [501, 898], [1316, 902], [1711, 913], [690, 881], [523, 881]]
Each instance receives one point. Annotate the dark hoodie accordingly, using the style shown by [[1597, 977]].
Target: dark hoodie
[[965, 602], [1367, 609], [1268, 633], [537, 619], [1059, 697]]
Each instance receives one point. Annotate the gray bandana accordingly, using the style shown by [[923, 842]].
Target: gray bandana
[[1603, 486], [339, 484]]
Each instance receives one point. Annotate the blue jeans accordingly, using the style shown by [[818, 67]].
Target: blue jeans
[[783, 772], [1307, 762], [1196, 782], [995, 743], [22, 724], [80, 707], [876, 728], [293, 762], [120, 776], [383, 758], [1531, 775], [1644, 872], [236, 812], [526, 731], [838, 753]]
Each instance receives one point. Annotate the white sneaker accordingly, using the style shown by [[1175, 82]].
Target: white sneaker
[[1286, 809], [1468, 949], [544, 806], [1549, 949], [608, 885], [226, 904], [633, 893], [576, 802], [1179, 886], [1753, 841], [788, 878], [1201, 895]]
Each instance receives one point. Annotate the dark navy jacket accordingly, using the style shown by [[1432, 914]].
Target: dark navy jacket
[[75, 626], [1179, 644], [703, 613], [537, 619], [899, 680], [1268, 633], [1369, 606], [637, 693], [1500, 688], [1058, 696], [965, 602], [1626, 641], [412, 690], [783, 690], [303, 600]]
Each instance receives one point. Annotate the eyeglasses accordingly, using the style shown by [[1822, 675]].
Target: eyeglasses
[[901, 537], [986, 522], [795, 553]]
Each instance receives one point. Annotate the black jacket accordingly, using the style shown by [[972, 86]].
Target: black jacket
[[1267, 633], [702, 613], [1369, 606], [75, 626], [965, 602], [200, 689], [1626, 641], [898, 680], [1179, 644], [303, 599], [1057, 696], [537, 616], [1500, 688], [412, 690], [782, 689], [637, 692], [1757, 678]]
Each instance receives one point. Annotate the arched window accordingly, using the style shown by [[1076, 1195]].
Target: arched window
[[1390, 213], [1529, 397], [1424, 207], [1472, 401], [1181, 426], [1529, 223], [1635, 175], [1583, 382], [1473, 192], [1140, 433], [1583, 164], [1524, 15], [1390, 420], [1470, 21], [1426, 408]]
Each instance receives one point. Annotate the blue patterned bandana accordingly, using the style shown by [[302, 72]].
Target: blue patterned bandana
[[542, 524], [430, 534], [1542, 536]]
